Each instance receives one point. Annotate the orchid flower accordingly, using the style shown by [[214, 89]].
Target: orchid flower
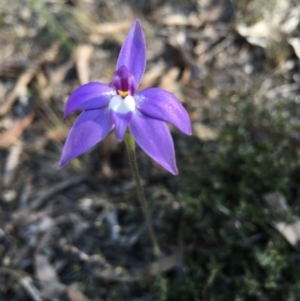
[[118, 105]]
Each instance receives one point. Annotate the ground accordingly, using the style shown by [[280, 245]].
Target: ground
[[227, 225]]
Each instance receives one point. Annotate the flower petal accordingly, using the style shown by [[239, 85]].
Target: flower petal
[[121, 122], [162, 105], [133, 52], [154, 137], [90, 96], [89, 128]]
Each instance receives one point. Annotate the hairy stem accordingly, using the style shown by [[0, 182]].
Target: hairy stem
[[130, 145]]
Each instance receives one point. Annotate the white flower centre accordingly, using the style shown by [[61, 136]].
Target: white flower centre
[[122, 105]]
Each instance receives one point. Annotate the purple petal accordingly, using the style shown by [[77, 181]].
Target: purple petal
[[89, 128], [121, 122], [162, 105], [90, 96], [154, 137], [133, 52]]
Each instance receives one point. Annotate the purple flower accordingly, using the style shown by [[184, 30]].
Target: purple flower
[[119, 106]]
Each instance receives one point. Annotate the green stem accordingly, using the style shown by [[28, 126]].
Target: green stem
[[130, 145]]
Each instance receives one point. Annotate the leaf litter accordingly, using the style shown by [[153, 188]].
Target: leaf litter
[[77, 233]]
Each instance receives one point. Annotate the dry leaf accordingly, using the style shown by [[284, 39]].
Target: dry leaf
[[204, 132], [12, 163], [295, 43], [83, 54], [291, 231], [11, 135]]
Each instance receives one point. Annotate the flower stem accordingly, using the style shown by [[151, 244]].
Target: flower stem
[[130, 145]]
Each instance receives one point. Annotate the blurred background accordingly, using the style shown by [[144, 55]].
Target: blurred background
[[228, 224]]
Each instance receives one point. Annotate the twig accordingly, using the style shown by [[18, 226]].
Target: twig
[[55, 189], [155, 268], [26, 77], [25, 281]]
